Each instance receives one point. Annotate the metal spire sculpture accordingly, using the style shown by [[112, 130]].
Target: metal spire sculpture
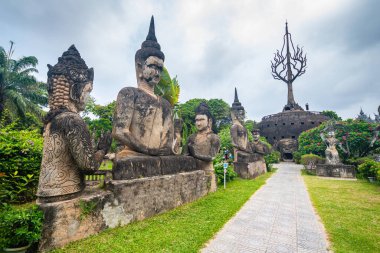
[[288, 66]]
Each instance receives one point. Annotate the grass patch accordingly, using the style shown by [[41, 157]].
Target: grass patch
[[350, 211], [184, 229]]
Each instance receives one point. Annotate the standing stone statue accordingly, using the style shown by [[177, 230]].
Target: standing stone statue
[[239, 134], [204, 145], [68, 151], [143, 121], [331, 152]]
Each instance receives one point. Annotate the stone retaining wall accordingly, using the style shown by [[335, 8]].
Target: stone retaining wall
[[122, 202]]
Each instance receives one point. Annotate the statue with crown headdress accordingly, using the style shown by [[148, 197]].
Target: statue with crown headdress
[[239, 134], [143, 121], [68, 152]]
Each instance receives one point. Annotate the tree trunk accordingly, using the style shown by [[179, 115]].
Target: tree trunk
[[290, 94]]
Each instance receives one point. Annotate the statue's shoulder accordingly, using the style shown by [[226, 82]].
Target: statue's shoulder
[[128, 91], [66, 121]]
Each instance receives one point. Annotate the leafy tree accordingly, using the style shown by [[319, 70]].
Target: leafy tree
[[333, 115], [103, 117], [20, 92]]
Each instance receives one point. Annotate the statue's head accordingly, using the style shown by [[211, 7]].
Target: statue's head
[[203, 117], [256, 134], [149, 60], [70, 82], [238, 113], [331, 133]]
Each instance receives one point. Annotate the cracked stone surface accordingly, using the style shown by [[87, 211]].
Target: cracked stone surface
[[279, 217]]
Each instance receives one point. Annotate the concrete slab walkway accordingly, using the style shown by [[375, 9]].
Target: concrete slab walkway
[[279, 217]]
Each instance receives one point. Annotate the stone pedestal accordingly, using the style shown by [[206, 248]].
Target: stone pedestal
[[122, 202], [208, 168], [335, 170], [149, 166], [250, 170]]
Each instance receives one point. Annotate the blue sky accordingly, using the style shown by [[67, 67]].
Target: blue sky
[[213, 46]]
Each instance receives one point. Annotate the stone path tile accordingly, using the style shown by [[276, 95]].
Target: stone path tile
[[279, 217]]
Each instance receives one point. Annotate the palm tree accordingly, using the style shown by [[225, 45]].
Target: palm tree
[[20, 92]]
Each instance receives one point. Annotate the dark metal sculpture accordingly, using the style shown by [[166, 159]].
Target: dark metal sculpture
[[288, 66]]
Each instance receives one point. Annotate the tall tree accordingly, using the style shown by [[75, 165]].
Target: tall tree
[[20, 92]]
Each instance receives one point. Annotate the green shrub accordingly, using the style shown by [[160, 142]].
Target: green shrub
[[357, 161], [219, 171], [273, 157], [20, 161], [20, 226], [311, 158], [369, 168], [297, 157]]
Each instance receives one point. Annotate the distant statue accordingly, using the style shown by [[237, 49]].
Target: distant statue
[[143, 122], [258, 147], [68, 150], [331, 152], [239, 134], [203, 145]]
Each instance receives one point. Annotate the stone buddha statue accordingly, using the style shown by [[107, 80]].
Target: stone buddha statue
[[239, 134], [203, 145], [143, 121], [258, 148], [68, 150]]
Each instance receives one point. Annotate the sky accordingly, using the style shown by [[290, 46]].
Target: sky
[[212, 47]]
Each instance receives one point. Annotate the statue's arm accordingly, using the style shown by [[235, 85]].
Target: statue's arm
[[123, 114], [374, 138], [80, 145], [323, 138]]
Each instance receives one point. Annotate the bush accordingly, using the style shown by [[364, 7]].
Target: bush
[[369, 168], [20, 227], [357, 161], [20, 161], [273, 157], [311, 158], [219, 171], [297, 157]]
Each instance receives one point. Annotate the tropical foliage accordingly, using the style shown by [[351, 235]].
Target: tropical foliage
[[168, 88], [331, 114], [20, 92], [20, 226], [354, 136], [20, 161]]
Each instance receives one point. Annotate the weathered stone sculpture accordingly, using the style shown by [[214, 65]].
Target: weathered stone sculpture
[[239, 134], [143, 121], [332, 155], [247, 163], [204, 145], [286, 147], [67, 151], [257, 146], [333, 166]]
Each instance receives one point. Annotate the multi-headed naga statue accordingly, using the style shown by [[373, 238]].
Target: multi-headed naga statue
[[68, 151], [287, 66]]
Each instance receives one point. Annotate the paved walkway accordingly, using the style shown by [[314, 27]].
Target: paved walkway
[[279, 217]]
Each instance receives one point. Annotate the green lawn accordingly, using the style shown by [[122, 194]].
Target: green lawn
[[184, 229], [350, 211]]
